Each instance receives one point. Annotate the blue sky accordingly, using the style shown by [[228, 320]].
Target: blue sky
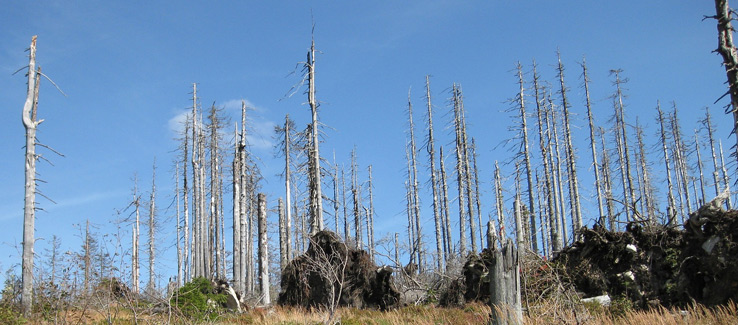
[[127, 70]]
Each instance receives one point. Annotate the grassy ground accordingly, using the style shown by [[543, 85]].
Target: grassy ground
[[417, 315]]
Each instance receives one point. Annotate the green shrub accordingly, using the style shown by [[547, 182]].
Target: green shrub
[[198, 299]]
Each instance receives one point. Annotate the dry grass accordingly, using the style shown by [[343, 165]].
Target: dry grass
[[475, 313]]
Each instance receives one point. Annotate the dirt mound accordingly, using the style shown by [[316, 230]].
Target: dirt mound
[[331, 273], [473, 284], [655, 265]]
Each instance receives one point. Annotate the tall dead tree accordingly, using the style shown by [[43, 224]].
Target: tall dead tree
[[460, 169], [135, 268], [446, 215], [151, 286], [671, 204], [430, 147], [414, 187], [647, 198], [592, 141], [263, 251], [499, 201], [707, 124], [607, 185], [185, 196], [475, 189], [30, 123], [571, 159], [544, 137], [356, 195], [180, 262], [370, 216], [237, 210], [316, 193], [526, 160], [680, 161], [729, 53], [621, 140], [725, 176]]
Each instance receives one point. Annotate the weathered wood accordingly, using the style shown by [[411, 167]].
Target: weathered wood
[[505, 286], [263, 251], [29, 209]]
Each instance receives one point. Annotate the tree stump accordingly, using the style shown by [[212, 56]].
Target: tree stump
[[505, 285]]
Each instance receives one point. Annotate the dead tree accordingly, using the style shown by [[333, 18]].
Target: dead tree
[[151, 286], [671, 205], [30, 123], [607, 185], [526, 160], [680, 161], [185, 196], [621, 140], [356, 200], [593, 143], [571, 159], [729, 53], [263, 252], [237, 212], [544, 137], [446, 219], [180, 262], [370, 216], [414, 189], [460, 178], [430, 147], [475, 189], [499, 201], [135, 268], [648, 204], [725, 176], [316, 193], [707, 124], [505, 286]]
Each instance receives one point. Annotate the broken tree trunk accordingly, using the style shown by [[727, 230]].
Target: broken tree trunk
[[30, 123], [505, 286], [263, 252]]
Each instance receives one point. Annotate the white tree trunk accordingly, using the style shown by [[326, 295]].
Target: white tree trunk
[[263, 251], [29, 208]]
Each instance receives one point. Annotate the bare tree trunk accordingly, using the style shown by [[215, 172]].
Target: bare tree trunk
[[430, 147], [287, 180], [29, 209], [446, 218], [645, 178], [468, 178], [316, 193], [356, 200], [505, 286], [151, 286], [414, 186], [699, 168], [592, 141], [526, 158], [477, 203], [725, 177], [135, 268], [87, 258], [185, 194], [545, 147], [237, 212], [180, 263], [571, 158], [607, 184], [628, 193], [460, 178], [263, 251], [346, 225], [196, 238], [671, 205], [499, 202], [282, 236], [715, 174], [723, 15], [680, 160], [557, 224], [370, 216]]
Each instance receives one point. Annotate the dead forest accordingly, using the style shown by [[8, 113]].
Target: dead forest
[[662, 234]]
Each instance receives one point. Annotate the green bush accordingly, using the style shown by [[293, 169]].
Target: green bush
[[198, 299], [8, 315]]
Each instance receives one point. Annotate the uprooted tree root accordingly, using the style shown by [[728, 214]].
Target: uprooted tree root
[[330, 274]]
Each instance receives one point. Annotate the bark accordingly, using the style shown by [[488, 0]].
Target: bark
[[135, 261], [477, 203], [526, 158], [237, 212], [87, 258], [370, 216], [592, 141], [180, 263], [287, 180], [680, 160], [544, 137], [671, 205], [151, 286], [629, 196], [185, 194], [316, 193], [263, 252], [728, 205], [29, 209], [460, 178], [282, 236], [607, 184], [430, 147], [571, 158], [707, 122], [645, 178], [729, 53], [446, 214], [557, 225], [499, 201], [699, 168], [356, 200], [505, 286], [413, 177]]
